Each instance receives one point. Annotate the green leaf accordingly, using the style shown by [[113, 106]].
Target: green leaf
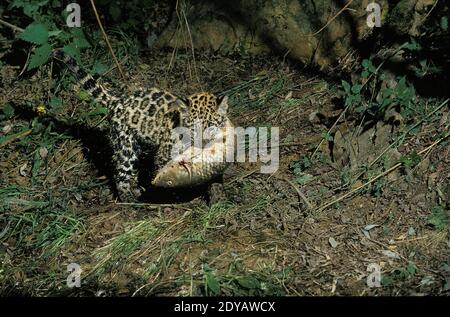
[[297, 170], [365, 63], [346, 86], [40, 56], [413, 46], [447, 284], [356, 89], [55, 102], [410, 160], [326, 136], [360, 109], [306, 161], [349, 100], [386, 280], [56, 3], [30, 8], [411, 268], [36, 165], [446, 267], [79, 40], [99, 68], [8, 110], [212, 284], [73, 51], [368, 66], [8, 137], [83, 95], [304, 179], [249, 282], [386, 102], [439, 218], [36, 33], [444, 23], [54, 33], [98, 111]]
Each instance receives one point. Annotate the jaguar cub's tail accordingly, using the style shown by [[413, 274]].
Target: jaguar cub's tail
[[85, 80]]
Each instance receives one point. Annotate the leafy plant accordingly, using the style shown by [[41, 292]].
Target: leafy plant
[[237, 282], [300, 165], [297, 168], [352, 93], [410, 160], [39, 34], [439, 218], [399, 274], [372, 82], [47, 30], [212, 285]]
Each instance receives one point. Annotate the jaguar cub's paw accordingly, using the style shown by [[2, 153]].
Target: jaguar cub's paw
[[130, 196]]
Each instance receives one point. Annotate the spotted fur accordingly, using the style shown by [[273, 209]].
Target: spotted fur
[[146, 117]]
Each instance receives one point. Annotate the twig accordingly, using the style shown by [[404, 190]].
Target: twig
[[11, 26], [175, 47], [429, 12], [192, 47], [25, 65], [331, 20], [183, 37], [107, 40], [17, 29], [300, 194], [242, 177]]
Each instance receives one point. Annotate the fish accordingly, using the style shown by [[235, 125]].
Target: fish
[[194, 166]]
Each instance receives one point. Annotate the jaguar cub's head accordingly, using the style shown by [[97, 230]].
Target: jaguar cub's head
[[209, 109]]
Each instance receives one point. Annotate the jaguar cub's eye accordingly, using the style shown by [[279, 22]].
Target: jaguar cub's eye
[[169, 183]]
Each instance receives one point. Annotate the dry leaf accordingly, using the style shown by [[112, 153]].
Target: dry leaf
[[22, 170], [43, 152], [332, 242], [288, 96]]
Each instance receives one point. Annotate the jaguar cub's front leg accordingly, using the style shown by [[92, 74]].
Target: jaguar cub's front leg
[[164, 153], [125, 158]]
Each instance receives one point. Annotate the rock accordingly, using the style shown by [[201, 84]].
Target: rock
[[306, 31]]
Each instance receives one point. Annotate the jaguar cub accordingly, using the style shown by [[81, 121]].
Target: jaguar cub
[[146, 117]]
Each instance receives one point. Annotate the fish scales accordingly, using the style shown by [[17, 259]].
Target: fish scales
[[195, 165]]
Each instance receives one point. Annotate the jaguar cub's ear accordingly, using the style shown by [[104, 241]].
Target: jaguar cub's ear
[[223, 105]]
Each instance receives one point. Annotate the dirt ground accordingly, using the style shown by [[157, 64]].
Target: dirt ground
[[285, 233]]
